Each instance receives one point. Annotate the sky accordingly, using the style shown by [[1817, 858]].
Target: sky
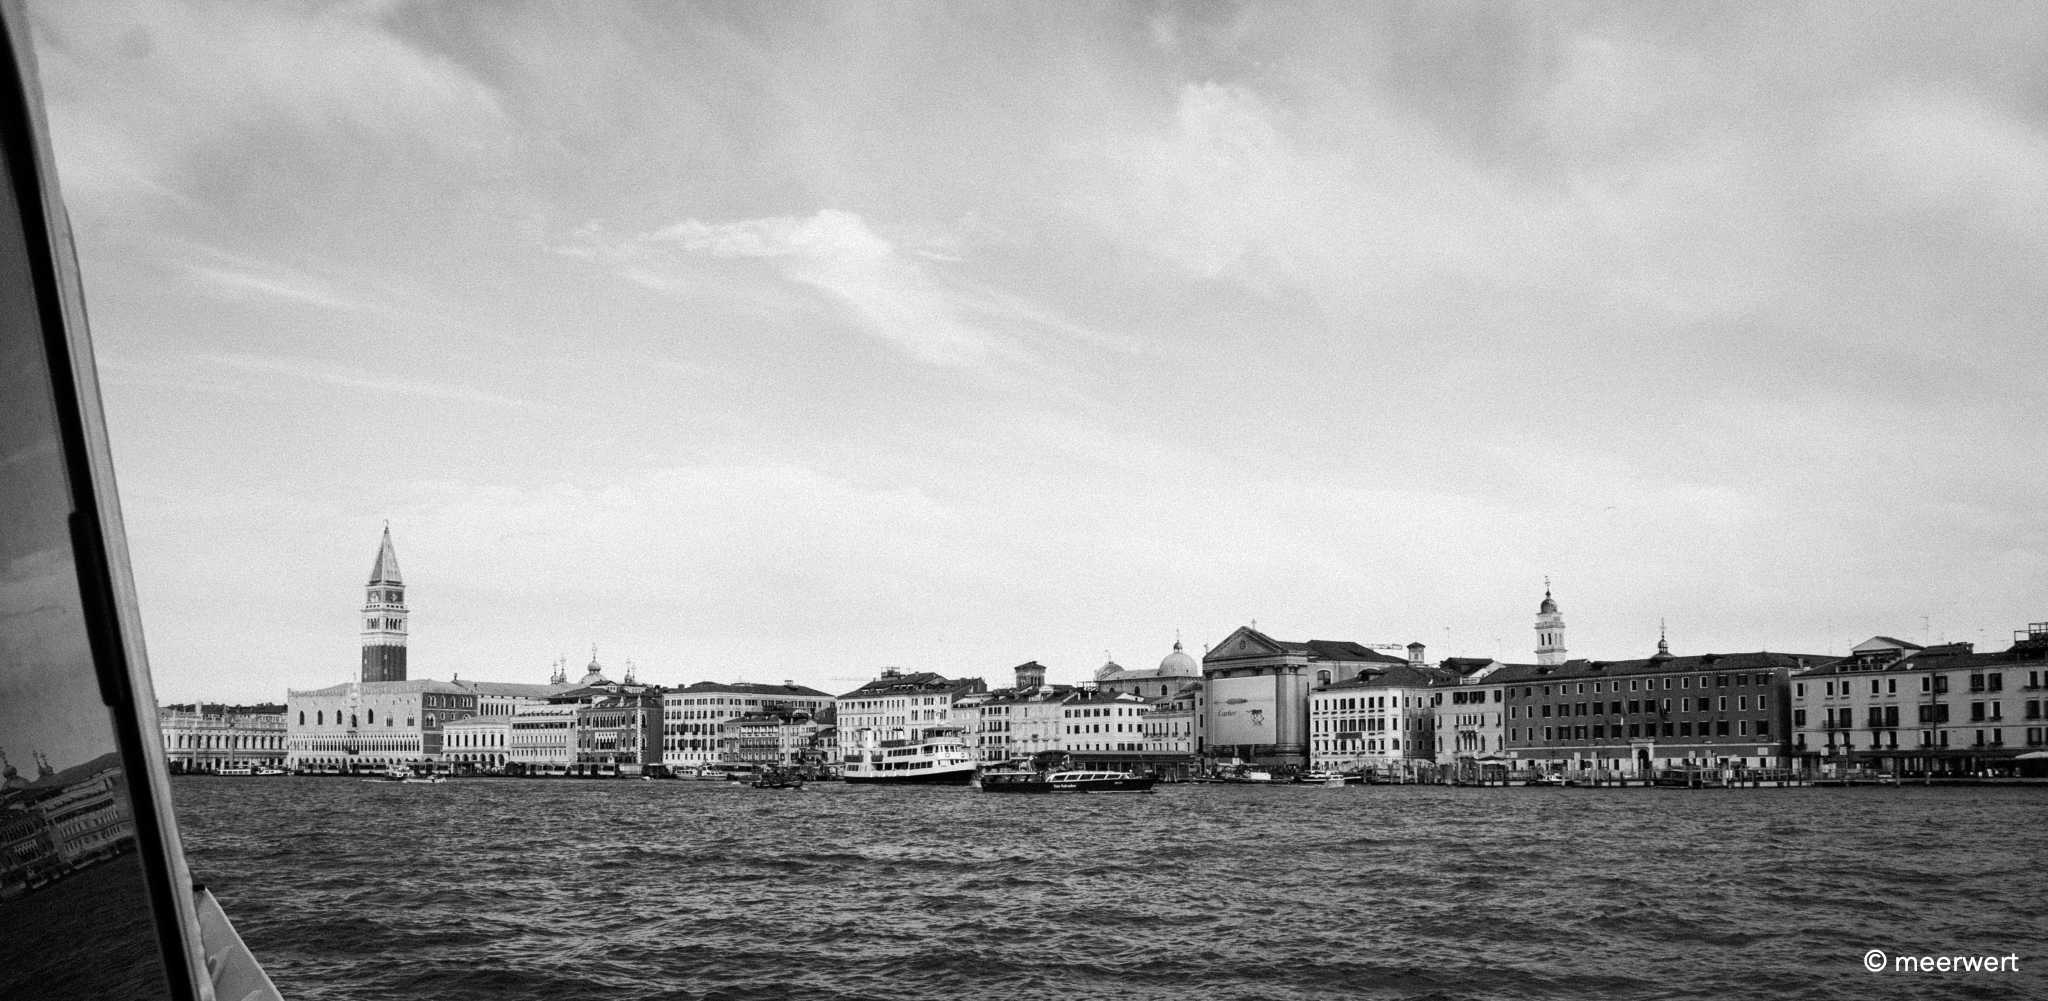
[[766, 342]]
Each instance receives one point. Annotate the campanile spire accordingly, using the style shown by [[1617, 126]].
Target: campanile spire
[[384, 615], [1549, 629]]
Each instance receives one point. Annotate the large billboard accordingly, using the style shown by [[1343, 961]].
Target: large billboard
[[1247, 710]]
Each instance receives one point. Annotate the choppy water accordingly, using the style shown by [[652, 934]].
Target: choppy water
[[600, 890]]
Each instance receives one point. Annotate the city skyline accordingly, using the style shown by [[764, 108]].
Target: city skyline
[[746, 344]]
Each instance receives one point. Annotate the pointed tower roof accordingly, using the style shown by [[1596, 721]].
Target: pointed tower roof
[[386, 569]]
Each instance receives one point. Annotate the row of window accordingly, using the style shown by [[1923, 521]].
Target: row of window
[[1351, 744], [1684, 683], [1640, 731], [1876, 717], [221, 742], [1889, 740], [1634, 707], [1333, 704], [1937, 684]]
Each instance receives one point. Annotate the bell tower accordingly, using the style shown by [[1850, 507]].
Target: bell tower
[[1549, 629], [384, 616]]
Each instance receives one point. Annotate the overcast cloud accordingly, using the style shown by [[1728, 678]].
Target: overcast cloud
[[774, 342]]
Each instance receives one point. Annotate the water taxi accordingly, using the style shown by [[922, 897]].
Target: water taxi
[[1021, 781]]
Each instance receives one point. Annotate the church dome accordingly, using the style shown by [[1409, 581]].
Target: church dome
[[1108, 668], [1548, 607], [595, 675], [1179, 665]]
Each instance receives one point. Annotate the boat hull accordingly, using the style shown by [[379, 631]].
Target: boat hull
[[920, 777], [1042, 786]]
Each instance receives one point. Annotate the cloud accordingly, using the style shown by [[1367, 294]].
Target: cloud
[[908, 299], [285, 96], [239, 284], [348, 378]]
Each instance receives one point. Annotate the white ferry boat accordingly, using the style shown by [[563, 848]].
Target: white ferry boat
[[938, 755]]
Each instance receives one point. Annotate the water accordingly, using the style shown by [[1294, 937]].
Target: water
[[642, 890]]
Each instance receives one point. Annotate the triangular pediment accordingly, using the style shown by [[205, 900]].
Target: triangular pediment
[[1244, 643]]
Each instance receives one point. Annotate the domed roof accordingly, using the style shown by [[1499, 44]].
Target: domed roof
[[1179, 665], [595, 676], [1548, 607], [1108, 668]]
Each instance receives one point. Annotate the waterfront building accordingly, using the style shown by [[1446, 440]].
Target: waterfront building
[[618, 732], [1894, 707], [371, 726], [1016, 722], [1173, 727], [1106, 731], [541, 740], [1471, 721], [88, 815], [900, 706], [823, 752], [203, 742], [1256, 693], [61, 820], [384, 617], [618, 723], [481, 743], [780, 736], [1627, 719], [1382, 722], [27, 855], [693, 717]]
